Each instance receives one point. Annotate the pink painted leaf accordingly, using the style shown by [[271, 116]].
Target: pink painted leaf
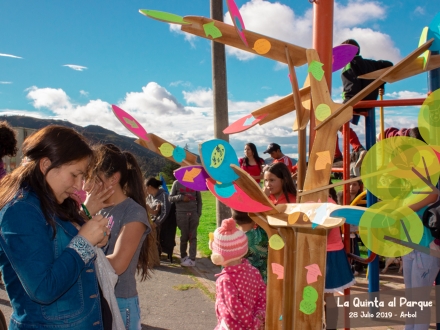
[[130, 123], [239, 200], [243, 124]]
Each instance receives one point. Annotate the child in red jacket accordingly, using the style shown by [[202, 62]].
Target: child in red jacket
[[240, 291]]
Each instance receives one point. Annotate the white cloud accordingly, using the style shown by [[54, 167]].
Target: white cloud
[[50, 98], [278, 21], [27, 113], [5, 82], [180, 83], [175, 28], [84, 93], [356, 13], [405, 95], [201, 97], [373, 44], [160, 113], [9, 55], [75, 67], [155, 100], [419, 10]]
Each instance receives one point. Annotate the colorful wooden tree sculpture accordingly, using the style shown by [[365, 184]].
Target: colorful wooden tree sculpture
[[298, 231]]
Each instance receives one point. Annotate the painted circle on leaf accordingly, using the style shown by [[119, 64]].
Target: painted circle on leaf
[[385, 219], [179, 154], [166, 149]]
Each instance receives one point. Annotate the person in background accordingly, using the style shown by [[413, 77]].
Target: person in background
[[240, 291], [356, 188], [274, 150], [130, 246], [279, 184], [258, 242], [188, 213], [158, 205], [339, 275], [47, 251], [251, 162], [351, 85], [394, 132], [8, 145]]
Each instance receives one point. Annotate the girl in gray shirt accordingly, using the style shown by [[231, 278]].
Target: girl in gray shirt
[[130, 246]]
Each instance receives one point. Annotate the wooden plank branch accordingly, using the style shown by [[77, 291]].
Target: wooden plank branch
[[414, 68], [231, 38]]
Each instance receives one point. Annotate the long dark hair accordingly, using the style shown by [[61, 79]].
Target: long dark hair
[[281, 171], [361, 185], [110, 160], [8, 140], [152, 181], [257, 158], [62, 146], [332, 192]]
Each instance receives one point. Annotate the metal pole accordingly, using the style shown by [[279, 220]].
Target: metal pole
[[434, 84], [370, 137], [220, 96]]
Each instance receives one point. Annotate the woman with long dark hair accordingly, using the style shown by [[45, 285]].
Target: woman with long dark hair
[[130, 246], [8, 144], [279, 184], [251, 162], [46, 250]]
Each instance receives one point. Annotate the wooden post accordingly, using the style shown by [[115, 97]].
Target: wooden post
[[323, 43], [220, 96]]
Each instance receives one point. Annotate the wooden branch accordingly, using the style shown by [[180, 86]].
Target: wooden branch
[[231, 38], [157, 141], [281, 107], [337, 184], [414, 68], [252, 189], [300, 114], [378, 82]]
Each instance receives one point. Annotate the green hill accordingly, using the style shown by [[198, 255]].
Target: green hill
[[150, 162]]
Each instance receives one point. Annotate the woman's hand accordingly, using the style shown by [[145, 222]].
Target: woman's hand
[[95, 230], [104, 241], [96, 198]]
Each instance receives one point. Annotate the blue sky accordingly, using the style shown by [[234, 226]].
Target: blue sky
[[73, 59]]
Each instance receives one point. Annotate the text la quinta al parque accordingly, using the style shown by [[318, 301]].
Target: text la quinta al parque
[[403, 302]]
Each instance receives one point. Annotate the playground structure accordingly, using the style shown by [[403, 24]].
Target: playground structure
[[297, 232]]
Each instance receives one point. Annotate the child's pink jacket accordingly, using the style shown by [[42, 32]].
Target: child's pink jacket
[[240, 298]]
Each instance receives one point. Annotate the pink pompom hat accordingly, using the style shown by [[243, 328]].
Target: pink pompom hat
[[229, 243]]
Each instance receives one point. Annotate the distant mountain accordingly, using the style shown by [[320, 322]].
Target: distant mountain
[[150, 162]]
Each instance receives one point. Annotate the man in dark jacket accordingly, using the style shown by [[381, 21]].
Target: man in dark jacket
[[188, 212], [351, 86], [357, 67]]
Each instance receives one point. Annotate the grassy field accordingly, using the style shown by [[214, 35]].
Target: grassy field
[[207, 224]]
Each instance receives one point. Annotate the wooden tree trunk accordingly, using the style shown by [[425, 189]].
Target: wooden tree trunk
[[220, 96]]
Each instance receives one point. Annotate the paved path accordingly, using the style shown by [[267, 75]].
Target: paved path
[[183, 298], [174, 298]]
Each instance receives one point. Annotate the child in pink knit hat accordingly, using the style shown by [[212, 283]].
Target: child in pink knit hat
[[240, 290]]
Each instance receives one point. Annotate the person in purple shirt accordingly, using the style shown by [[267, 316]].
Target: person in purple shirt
[[8, 144]]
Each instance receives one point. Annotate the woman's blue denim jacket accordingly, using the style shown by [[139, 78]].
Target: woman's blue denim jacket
[[51, 281]]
